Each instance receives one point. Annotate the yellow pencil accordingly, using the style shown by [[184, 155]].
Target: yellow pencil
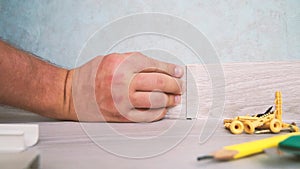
[[248, 148]]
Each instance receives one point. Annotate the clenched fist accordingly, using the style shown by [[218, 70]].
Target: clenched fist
[[129, 87]]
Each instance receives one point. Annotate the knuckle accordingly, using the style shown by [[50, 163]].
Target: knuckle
[[112, 60], [169, 68], [137, 81], [134, 100], [160, 82]]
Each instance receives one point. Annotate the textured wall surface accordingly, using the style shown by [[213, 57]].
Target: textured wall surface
[[240, 30]]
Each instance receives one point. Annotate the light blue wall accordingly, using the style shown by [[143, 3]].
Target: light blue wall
[[240, 30]]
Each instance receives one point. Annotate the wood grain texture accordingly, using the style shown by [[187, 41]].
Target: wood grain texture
[[249, 88]]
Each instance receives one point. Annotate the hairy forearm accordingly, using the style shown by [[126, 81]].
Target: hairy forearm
[[32, 84], [121, 85]]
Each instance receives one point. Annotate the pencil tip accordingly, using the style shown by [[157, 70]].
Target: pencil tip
[[204, 157]]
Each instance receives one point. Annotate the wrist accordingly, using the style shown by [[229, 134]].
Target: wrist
[[68, 106]]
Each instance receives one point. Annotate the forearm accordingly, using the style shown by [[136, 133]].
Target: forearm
[[32, 84]]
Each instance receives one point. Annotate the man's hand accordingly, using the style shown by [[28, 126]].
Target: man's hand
[[126, 87], [116, 88]]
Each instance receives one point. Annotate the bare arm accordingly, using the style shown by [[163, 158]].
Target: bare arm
[[32, 84], [116, 87]]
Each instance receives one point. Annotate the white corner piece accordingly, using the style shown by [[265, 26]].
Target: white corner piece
[[17, 137]]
